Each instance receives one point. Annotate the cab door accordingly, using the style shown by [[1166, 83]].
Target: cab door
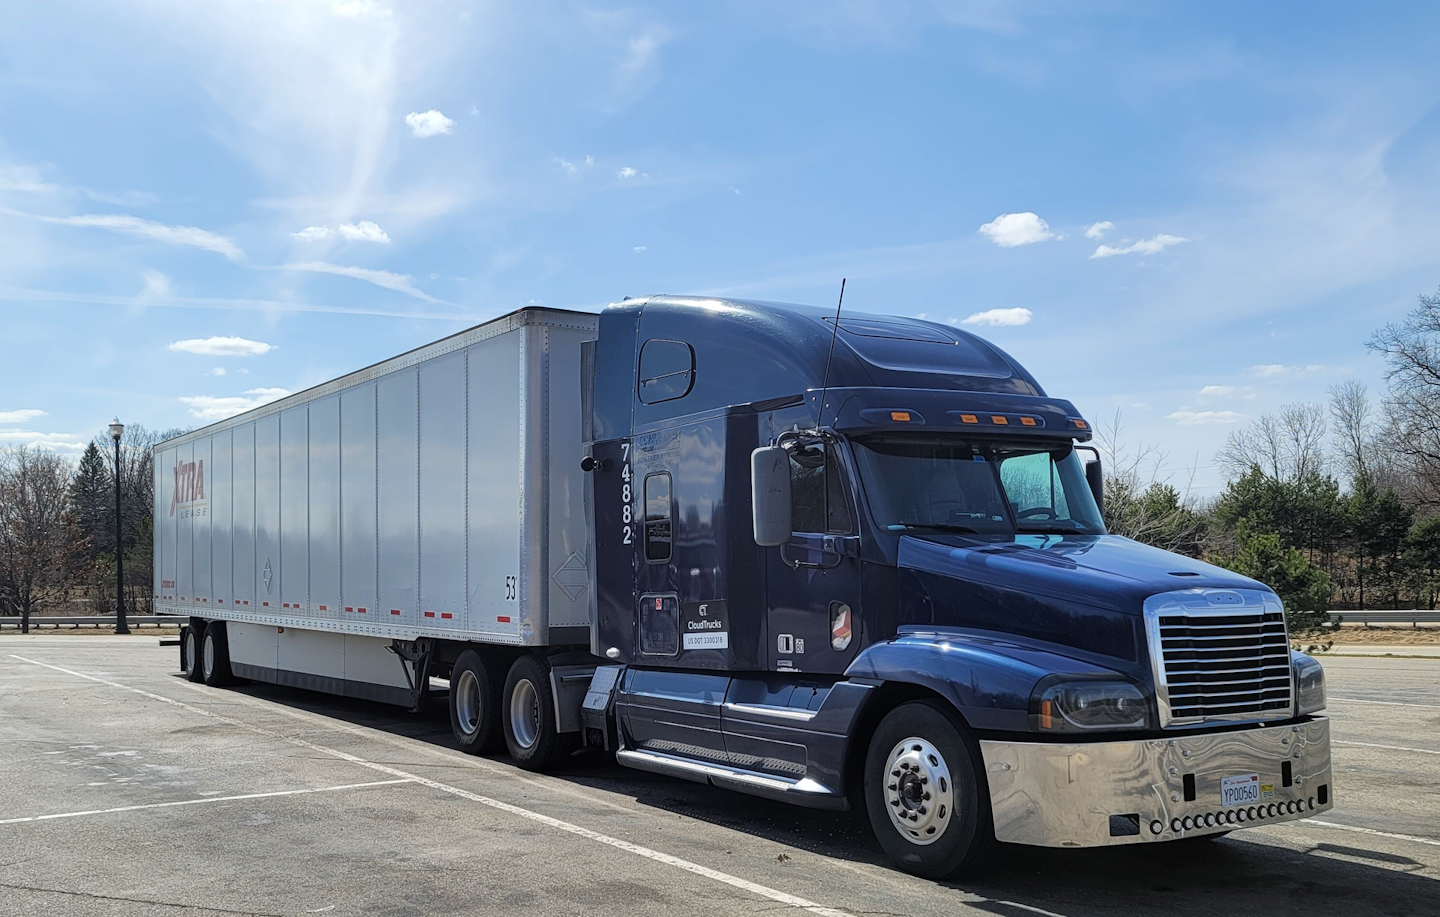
[[813, 581]]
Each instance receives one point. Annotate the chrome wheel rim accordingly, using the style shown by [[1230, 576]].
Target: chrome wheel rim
[[525, 713], [919, 793], [209, 655], [192, 652], [467, 702]]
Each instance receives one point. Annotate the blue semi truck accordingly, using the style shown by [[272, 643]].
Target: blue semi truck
[[857, 564]]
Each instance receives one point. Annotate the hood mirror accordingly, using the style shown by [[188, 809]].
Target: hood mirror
[[770, 495]]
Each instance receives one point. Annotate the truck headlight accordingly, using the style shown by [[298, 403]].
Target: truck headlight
[[1309, 683], [1079, 705]]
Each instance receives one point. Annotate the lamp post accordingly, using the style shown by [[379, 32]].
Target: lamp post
[[121, 626]]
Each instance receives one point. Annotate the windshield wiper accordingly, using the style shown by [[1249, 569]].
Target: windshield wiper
[[1053, 528], [934, 526]]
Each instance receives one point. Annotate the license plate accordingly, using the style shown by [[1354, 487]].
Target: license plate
[[1240, 790]]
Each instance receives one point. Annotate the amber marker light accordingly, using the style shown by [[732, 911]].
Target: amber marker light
[[999, 420], [969, 418], [1081, 424], [901, 416], [1027, 421]]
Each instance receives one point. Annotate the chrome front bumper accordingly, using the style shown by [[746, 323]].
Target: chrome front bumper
[[1101, 793]]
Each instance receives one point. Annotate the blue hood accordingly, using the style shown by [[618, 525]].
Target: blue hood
[[1085, 592]]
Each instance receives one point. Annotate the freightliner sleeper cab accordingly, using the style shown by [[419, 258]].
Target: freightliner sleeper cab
[[865, 567]]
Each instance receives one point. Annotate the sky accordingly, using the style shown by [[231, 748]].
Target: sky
[[1183, 215]]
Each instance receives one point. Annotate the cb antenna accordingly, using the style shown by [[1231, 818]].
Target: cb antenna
[[828, 357]]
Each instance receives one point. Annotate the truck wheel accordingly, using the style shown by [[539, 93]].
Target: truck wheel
[[927, 805], [474, 717], [190, 653], [215, 656], [531, 733]]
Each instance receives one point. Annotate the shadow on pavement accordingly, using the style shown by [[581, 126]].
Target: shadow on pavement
[[1233, 875]]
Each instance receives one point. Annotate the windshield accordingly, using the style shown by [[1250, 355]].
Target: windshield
[[984, 488]]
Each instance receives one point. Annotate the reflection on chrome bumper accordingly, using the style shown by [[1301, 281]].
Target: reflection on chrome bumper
[[1100, 793]]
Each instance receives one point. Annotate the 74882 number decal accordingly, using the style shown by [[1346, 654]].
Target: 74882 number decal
[[627, 486]]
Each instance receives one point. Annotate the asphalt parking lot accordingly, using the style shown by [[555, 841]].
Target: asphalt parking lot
[[125, 790]]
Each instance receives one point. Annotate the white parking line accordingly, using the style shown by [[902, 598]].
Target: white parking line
[[1383, 703], [1390, 834], [1423, 751], [695, 868], [194, 802]]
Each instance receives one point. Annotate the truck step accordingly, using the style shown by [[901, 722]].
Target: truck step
[[804, 792]]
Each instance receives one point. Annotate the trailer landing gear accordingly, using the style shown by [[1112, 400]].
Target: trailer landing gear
[[415, 663]]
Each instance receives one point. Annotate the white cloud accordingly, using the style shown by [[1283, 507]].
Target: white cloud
[[313, 233], [20, 416], [627, 172], [1194, 418], [400, 283], [217, 371], [364, 231], [212, 408], [589, 160], [1000, 317], [1276, 370], [640, 51], [222, 347], [1011, 229], [1150, 246], [1212, 391], [1097, 230], [149, 229], [58, 442], [156, 284], [429, 123], [357, 9], [568, 166], [640, 248]]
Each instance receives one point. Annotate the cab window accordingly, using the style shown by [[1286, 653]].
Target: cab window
[[817, 491]]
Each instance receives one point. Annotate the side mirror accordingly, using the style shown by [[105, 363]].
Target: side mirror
[[1095, 477], [770, 495]]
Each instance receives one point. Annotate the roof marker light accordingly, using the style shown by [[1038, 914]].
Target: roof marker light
[[900, 416], [1080, 423], [999, 420], [1027, 421], [969, 418]]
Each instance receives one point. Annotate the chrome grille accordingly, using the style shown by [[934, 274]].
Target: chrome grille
[[1219, 655]]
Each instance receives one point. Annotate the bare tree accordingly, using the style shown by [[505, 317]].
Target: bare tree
[[1354, 427], [1412, 425], [1140, 502], [1286, 446], [33, 486]]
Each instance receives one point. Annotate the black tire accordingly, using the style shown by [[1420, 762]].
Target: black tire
[[924, 765], [474, 707], [531, 733], [215, 656], [190, 651]]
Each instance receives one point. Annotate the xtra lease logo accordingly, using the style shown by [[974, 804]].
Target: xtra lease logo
[[189, 487]]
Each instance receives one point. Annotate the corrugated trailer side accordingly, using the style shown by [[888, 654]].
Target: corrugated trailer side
[[393, 517]]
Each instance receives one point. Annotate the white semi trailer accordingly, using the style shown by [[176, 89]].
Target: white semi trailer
[[334, 539]]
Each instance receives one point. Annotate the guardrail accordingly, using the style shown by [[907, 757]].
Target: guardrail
[[1413, 617], [55, 622]]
